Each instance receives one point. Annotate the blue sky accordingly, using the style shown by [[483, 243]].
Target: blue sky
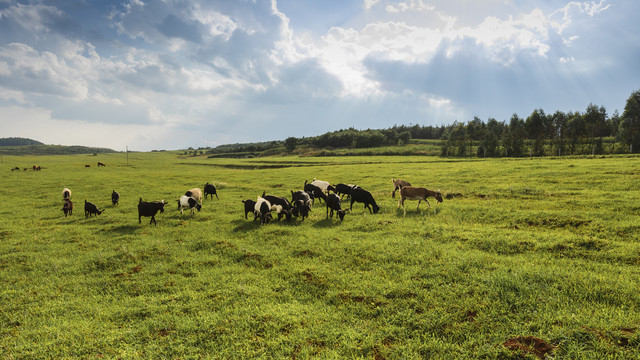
[[174, 74]]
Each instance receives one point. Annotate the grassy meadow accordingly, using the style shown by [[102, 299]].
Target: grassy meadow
[[525, 258]]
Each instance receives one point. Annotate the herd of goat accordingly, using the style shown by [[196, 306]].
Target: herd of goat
[[265, 205]]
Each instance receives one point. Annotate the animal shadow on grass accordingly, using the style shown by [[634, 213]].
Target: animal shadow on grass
[[125, 229], [327, 223], [245, 225], [412, 212]]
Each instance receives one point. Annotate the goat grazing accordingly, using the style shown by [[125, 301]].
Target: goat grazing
[[210, 189], [333, 204], [281, 205], [417, 193], [66, 194], [249, 207], [149, 209], [363, 196], [301, 202], [115, 198], [398, 185], [262, 210], [91, 209], [189, 203], [67, 207]]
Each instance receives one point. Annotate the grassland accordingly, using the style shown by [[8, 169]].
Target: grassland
[[545, 248]]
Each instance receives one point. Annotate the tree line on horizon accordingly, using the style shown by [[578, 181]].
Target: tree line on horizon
[[540, 134]]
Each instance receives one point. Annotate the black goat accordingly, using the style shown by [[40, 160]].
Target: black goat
[[363, 196], [344, 189], [334, 204], [115, 198], [249, 207], [210, 189], [67, 208], [90, 209], [149, 209]]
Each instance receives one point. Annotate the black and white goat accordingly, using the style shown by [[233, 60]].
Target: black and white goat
[[188, 202], [91, 209], [149, 209], [417, 193], [301, 202], [262, 210], [280, 205], [210, 189], [323, 185], [334, 204], [363, 196], [66, 194], [316, 191]]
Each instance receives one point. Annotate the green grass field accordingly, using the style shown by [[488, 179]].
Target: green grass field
[[545, 248]]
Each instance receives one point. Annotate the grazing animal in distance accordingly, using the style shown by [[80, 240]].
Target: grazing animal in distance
[[15, 168], [210, 189], [363, 196], [91, 209], [189, 203], [101, 164], [115, 198], [334, 204], [87, 165], [149, 209], [249, 207], [66, 194], [397, 185], [67, 207], [417, 193]]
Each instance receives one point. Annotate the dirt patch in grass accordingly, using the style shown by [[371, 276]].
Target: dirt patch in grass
[[529, 345]]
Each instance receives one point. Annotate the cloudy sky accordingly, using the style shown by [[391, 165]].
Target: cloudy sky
[[172, 74]]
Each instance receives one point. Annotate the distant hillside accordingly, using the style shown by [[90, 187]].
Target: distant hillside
[[17, 141], [20, 146]]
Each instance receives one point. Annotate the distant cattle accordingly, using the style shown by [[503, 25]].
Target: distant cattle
[[101, 164]]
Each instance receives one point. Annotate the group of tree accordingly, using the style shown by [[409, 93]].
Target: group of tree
[[589, 132], [560, 133]]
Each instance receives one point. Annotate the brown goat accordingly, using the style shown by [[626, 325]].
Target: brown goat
[[397, 185], [417, 193]]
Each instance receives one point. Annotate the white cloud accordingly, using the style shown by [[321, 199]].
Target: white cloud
[[411, 5], [562, 18], [368, 4]]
